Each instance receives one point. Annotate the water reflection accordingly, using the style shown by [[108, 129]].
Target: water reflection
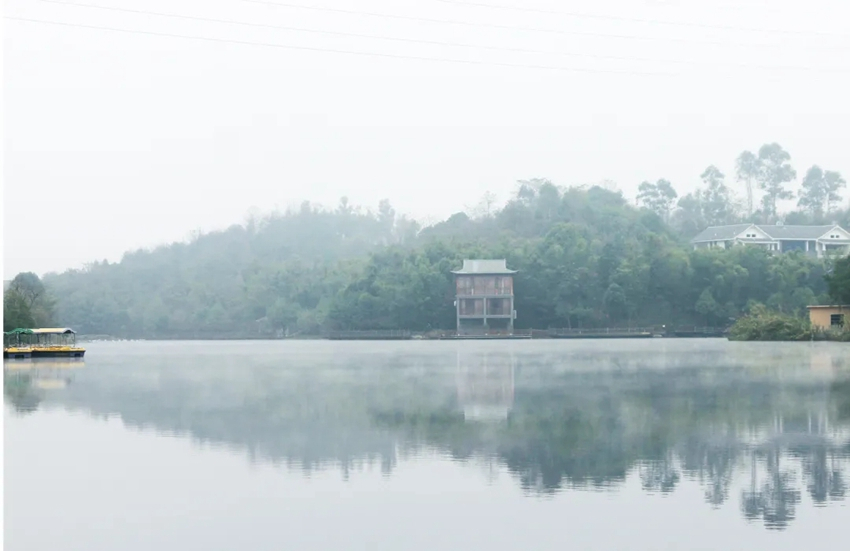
[[24, 382], [485, 384], [765, 426]]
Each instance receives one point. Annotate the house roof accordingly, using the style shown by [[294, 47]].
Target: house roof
[[488, 267], [796, 232], [725, 233], [830, 306], [720, 233]]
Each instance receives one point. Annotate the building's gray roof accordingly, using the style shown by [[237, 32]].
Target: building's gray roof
[[720, 233], [796, 232], [724, 233], [488, 267]]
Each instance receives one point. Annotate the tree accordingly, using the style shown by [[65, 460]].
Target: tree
[[716, 197], [775, 172], [344, 207], [484, 208], [282, 314], [689, 218], [838, 281], [747, 168], [38, 303], [28, 286], [658, 197], [820, 191], [834, 182], [707, 306], [16, 312], [615, 303]]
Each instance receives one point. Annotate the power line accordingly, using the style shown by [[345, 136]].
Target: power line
[[338, 51], [509, 27], [583, 15], [418, 41]]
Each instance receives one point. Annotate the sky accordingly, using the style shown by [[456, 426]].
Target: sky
[[134, 127]]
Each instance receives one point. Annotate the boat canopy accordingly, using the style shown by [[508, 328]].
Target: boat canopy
[[53, 331], [19, 331]]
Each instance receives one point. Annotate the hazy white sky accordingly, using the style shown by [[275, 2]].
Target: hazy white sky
[[119, 140]]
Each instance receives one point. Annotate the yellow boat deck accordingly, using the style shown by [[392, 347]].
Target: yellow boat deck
[[49, 342], [24, 352]]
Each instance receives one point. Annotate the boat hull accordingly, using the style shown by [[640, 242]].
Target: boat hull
[[16, 353], [58, 352]]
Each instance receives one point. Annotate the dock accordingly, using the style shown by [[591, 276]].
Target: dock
[[374, 335], [524, 334], [605, 333], [456, 337]]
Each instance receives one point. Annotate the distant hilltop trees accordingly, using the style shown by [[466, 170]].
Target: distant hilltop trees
[[585, 257]]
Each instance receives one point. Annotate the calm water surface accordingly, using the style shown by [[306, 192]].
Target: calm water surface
[[633, 444]]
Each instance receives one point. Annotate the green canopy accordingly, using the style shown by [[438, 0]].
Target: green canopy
[[19, 331]]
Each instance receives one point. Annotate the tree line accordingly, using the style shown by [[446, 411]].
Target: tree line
[[767, 172], [586, 258]]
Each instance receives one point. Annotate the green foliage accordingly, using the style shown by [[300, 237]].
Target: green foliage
[[658, 197], [747, 167], [16, 313], [717, 203], [820, 190], [586, 258], [762, 324], [774, 173], [599, 263], [26, 303], [839, 281], [264, 278]]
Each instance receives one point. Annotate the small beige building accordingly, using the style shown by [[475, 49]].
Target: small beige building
[[829, 317]]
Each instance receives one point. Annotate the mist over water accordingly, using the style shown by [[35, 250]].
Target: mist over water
[[413, 444]]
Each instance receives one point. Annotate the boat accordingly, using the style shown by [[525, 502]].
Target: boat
[[49, 342], [16, 344]]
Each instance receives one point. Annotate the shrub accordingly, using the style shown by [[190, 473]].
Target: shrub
[[762, 324]]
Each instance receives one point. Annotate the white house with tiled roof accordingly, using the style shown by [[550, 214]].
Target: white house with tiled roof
[[815, 240]]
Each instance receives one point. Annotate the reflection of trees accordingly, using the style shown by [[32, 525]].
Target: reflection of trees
[[773, 500], [824, 479], [840, 394], [576, 422], [778, 497], [712, 461], [659, 475], [18, 390]]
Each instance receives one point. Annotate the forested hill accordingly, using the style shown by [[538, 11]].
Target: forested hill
[[585, 258]]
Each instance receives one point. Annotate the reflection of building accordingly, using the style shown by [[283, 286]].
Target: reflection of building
[[485, 385], [484, 298], [827, 362], [44, 374]]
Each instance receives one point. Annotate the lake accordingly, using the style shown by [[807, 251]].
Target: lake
[[605, 444]]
